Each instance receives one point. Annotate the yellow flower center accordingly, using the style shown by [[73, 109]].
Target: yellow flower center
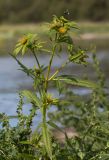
[[62, 30], [23, 40]]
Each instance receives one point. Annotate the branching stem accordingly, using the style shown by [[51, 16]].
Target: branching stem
[[49, 67], [36, 59], [58, 70]]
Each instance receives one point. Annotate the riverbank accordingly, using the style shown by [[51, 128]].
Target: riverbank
[[89, 34]]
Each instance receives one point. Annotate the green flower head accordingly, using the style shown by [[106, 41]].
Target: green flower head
[[29, 41]]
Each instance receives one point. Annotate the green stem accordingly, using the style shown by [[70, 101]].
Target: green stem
[[44, 114], [45, 133], [44, 128], [44, 108], [38, 66], [49, 68], [36, 59], [58, 70]]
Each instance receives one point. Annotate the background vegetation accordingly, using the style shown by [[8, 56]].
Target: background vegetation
[[14, 11]]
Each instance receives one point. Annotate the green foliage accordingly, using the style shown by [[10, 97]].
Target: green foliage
[[34, 11], [89, 115]]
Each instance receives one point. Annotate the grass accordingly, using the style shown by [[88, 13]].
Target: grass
[[90, 33], [91, 27]]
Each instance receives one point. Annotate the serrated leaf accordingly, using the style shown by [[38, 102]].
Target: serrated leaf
[[76, 81], [23, 67], [54, 126], [31, 97]]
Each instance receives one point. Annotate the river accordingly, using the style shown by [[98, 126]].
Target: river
[[13, 80]]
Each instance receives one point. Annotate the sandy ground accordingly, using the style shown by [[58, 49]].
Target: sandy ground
[[91, 36]]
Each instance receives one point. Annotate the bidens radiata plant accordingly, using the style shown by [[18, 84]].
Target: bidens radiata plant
[[59, 39]]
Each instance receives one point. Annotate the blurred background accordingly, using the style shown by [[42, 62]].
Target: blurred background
[[18, 17], [17, 11]]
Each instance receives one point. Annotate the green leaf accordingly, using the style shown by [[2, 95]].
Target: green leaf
[[17, 50], [72, 25], [79, 56], [26, 142], [76, 81], [24, 49], [26, 156], [66, 39], [31, 97], [102, 156], [23, 67], [59, 87], [54, 126]]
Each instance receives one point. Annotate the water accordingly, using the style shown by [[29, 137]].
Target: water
[[12, 80]]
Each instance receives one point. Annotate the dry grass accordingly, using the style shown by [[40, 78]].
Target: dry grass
[[89, 33]]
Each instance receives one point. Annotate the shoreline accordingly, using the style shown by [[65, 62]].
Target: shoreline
[[90, 34]]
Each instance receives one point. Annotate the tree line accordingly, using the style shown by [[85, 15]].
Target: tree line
[[18, 11]]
